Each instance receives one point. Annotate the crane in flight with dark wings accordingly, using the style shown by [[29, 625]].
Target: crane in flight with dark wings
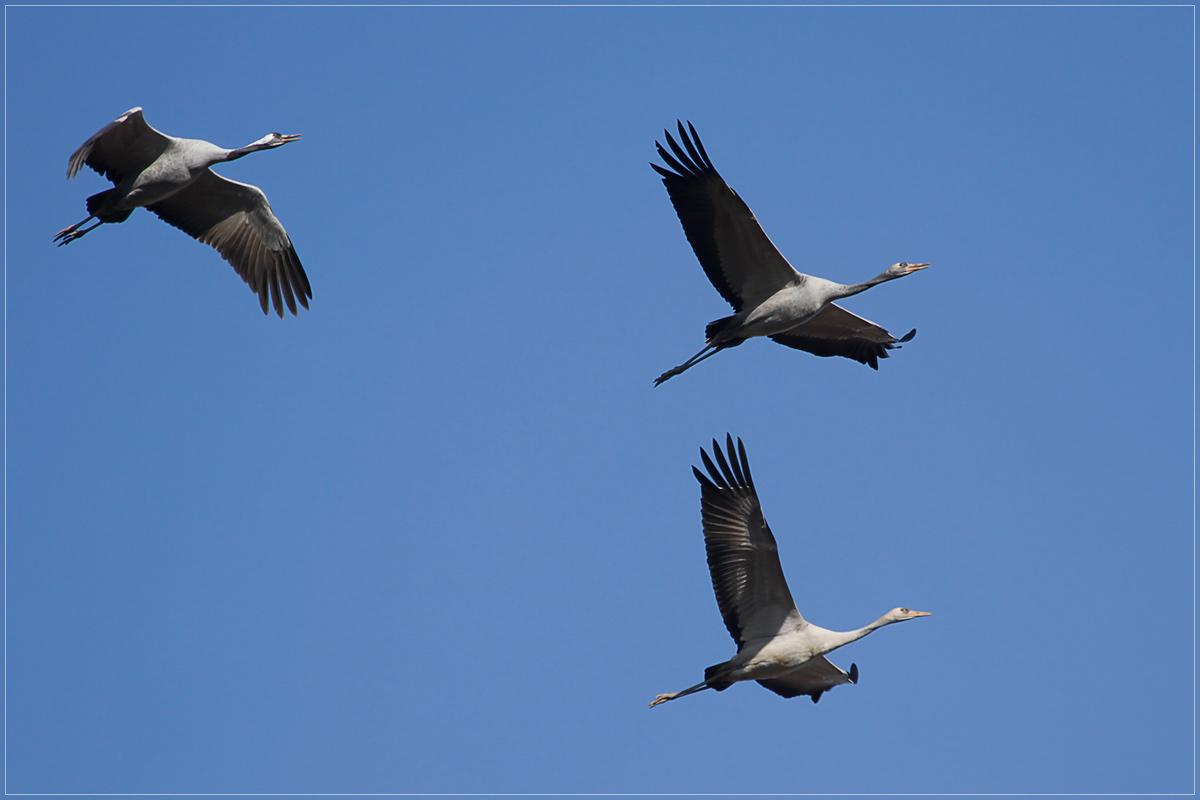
[[769, 297], [776, 645], [171, 177]]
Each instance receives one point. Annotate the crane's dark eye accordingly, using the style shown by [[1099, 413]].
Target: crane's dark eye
[[906, 611]]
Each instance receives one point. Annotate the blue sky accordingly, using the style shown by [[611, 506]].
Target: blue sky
[[440, 533]]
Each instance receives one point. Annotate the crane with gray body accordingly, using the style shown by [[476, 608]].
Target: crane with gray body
[[769, 297], [171, 177], [776, 646]]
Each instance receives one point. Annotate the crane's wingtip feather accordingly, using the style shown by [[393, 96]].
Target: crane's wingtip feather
[[731, 478], [665, 173], [735, 461], [713, 473], [745, 463]]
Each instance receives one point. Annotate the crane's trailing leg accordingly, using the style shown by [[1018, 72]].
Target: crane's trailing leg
[[708, 350], [72, 233], [662, 698]]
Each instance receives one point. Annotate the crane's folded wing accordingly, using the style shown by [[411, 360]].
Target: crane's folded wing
[[834, 331], [816, 676]]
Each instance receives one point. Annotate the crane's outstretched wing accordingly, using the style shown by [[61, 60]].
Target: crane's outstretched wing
[[834, 331], [125, 145], [739, 259], [236, 219], [742, 559], [814, 678]]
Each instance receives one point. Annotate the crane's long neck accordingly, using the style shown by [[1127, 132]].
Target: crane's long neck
[[839, 290], [238, 152], [836, 639]]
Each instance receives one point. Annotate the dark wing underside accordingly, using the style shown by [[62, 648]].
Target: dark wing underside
[[816, 677], [836, 332], [739, 259], [236, 219], [742, 558], [125, 146]]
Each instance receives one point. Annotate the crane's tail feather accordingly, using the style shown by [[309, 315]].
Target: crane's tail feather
[[711, 679], [96, 207], [715, 328]]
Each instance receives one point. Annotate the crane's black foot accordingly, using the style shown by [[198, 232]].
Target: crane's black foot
[[671, 373], [73, 232], [65, 234]]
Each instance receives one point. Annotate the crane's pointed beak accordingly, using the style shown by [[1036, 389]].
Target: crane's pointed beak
[[915, 267], [289, 137], [920, 613]]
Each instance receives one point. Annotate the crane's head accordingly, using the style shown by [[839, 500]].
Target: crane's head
[[276, 139], [902, 269], [265, 143], [901, 614]]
